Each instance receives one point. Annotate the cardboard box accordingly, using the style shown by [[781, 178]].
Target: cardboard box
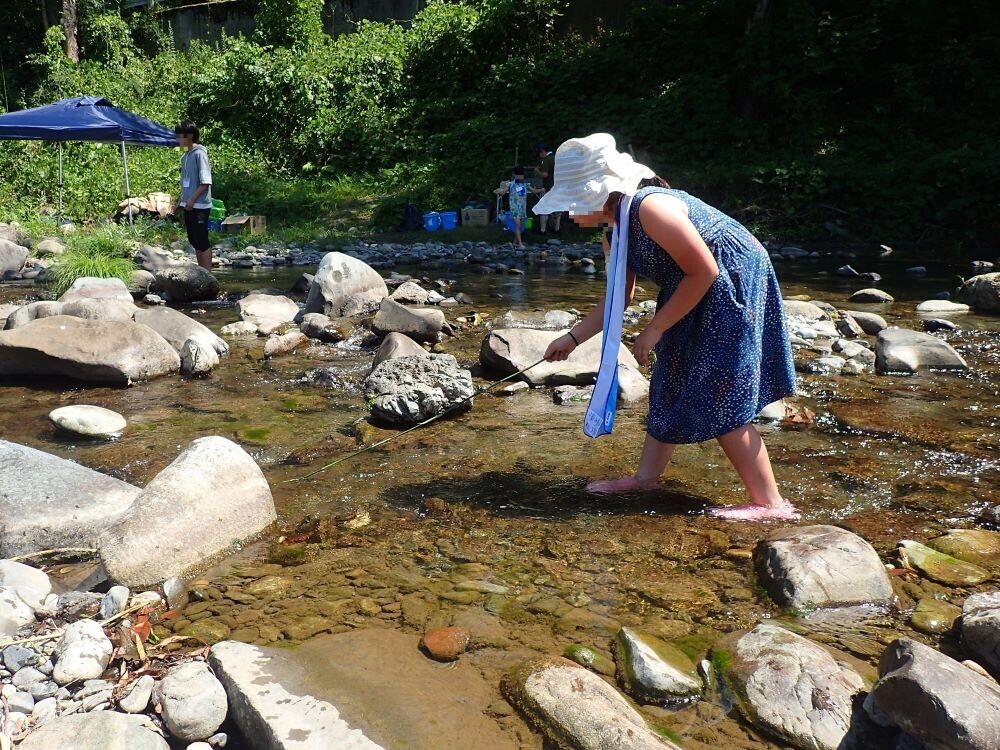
[[475, 217], [248, 224]]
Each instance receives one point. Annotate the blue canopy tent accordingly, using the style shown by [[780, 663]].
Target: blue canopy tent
[[85, 118]]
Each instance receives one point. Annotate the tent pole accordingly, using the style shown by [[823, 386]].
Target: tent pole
[[60, 217], [128, 188]]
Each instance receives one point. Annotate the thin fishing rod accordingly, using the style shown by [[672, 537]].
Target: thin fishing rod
[[398, 435]]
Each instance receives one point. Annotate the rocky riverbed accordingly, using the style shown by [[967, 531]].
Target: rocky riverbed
[[593, 622]]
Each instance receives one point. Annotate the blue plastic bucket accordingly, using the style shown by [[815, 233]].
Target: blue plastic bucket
[[214, 225], [449, 220], [432, 221], [509, 222]]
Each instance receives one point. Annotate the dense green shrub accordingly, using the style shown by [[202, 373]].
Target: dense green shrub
[[104, 254]]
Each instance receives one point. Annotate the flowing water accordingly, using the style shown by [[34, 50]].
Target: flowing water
[[482, 519]]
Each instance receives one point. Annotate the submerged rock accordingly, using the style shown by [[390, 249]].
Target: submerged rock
[[934, 616], [790, 687], [88, 421], [936, 699], [193, 701], [418, 324], [591, 659], [977, 546], [901, 350], [445, 644], [652, 671], [319, 326], [92, 350], [941, 306], [345, 286], [47, 502], [212, 496], [577, 710], [276, 345], [98, 730], [408, 390], [812, 566], [981, 628], [940, 567]]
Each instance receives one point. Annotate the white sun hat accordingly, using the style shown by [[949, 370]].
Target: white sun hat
[[587, 171]]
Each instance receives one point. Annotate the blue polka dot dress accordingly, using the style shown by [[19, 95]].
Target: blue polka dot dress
[[730, 356]]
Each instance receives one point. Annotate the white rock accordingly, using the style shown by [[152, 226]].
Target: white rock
[[193, 701], [89, 287], [114, 601], [14, 613], [31, 584], [136, 698], [345, 286], [83, 653], [240, 328], [901, 350], [102, 730], [942, 306], [276, 345], [267, 311], [88, 421]]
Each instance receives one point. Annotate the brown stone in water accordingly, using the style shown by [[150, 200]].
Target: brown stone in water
[[445, 644]]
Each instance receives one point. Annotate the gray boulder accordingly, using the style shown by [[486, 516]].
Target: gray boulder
[[410, 293], [870, 323], [212, 496], [418, 324], [185, 283], [89, 287], [98, 730], [408, 390], [981, 628], [32, 311], [813, 566], [82, 653], [576, 710], [153, 258], [88, 421], [652, 671], [982, 292], [193, 701], [47, 502], [790, 687], [50, 246], [177, 328], [91, 350], [286, 343], [345, 286], [395, 346], [322, 328], [806, 310], [87, 309], [264, 707], [11, 233], [872, 296], [12, 257], [267, 311], [899, 350], [197, 359], [939, 701]]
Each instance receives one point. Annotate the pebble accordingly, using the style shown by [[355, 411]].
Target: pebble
[[44, 711], [21, 702], [26, 677], [445, 644], [16, 657], [137, 698], [114, 601]]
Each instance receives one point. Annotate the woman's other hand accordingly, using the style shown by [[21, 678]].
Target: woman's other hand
[[644, 344], [560, 348]]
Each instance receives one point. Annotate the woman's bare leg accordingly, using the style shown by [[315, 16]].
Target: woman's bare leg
[[746, 451], [654, 459]]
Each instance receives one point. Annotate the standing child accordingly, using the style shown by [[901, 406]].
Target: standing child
[[196, 191], [518, 191]]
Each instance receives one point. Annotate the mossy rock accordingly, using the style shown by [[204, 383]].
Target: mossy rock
[[654, 671], [940, 567], [934, 616], [977, 546], [591, 659], [209, 630]]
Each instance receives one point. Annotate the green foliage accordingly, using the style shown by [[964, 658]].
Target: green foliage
[[104, 254], [290, 23]]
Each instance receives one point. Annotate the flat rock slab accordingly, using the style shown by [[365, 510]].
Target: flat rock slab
[[101, 730], [577, 710], [936, 699], [88, 421], [48, 502], [89, 287], [364, 689], [210, 497], [790, 687], [813, 566], [100, 351], [904, 351]]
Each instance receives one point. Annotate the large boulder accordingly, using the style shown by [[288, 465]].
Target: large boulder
[[176, 328], [97, 730], [652, 671], [508, 350], [193, 701], [267, 311], [12, 257], [813, 566], [212, 496], [941, 702], [88, 309], [99, 351], [90, 287], [395, 346], [981, 628], [576, 710], [902, 350], [982, 292], [264, 707], [418, 324], [790, 687], [186, 283], [47, 502], [345, 286], [32, 311], [408, 390]]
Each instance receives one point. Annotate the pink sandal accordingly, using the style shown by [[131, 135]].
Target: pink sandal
[[752, 512], [624, 484]]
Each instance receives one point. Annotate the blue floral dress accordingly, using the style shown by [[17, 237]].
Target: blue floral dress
[[730, 356], [518, 192]]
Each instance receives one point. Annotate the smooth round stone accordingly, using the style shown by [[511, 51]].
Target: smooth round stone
[[88, 421], [934, 616]]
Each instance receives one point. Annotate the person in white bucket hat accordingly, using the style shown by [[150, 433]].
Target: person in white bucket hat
[[722, 349]]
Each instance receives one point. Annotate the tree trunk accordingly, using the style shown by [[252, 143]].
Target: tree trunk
[[45, 16], [69, 29]]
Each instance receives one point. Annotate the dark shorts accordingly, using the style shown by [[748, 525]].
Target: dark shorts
[[196, 223]]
